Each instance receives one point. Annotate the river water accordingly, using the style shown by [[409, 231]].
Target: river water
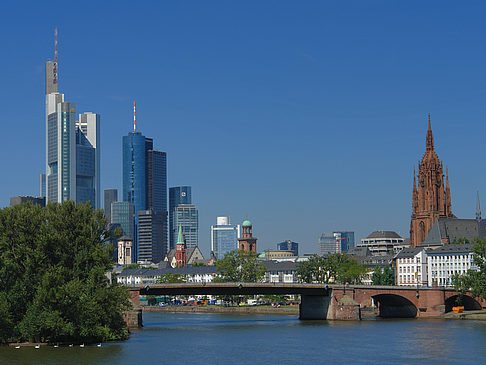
[[203, 338]]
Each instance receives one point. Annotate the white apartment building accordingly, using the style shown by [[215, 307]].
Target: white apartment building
[[446, 261], [411, 266]]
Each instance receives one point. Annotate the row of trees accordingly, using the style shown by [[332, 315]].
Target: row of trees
[[53, 286]]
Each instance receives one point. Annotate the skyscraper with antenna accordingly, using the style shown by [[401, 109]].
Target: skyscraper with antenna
[[72, 146], [145, 186]]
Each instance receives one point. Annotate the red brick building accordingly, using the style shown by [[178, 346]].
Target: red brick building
[[430, 198], [247, 242]]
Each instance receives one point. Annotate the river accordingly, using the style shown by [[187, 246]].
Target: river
[[203, 338]]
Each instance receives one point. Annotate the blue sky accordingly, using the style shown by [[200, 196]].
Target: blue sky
[[307, 116]]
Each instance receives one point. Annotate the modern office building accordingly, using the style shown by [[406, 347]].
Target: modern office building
[[177, 195], [381, 243], [42, 185], [72, 147], [289, 245], [335, 242], [145, 186], [186, 216], [123, 213], [16, 200], [109, 196], [88, 159], [224, 237], [151, 246]]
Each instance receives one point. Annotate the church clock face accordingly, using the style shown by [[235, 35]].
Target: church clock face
[[422, 182]]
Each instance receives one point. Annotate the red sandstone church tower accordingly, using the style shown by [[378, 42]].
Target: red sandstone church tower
[[247, 242], [430, 199], [180, 250]]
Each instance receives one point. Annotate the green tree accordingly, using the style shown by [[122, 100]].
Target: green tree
[[171, 278], [338, 268], [474, 281], [240, 266], [53, 286], [383, 276], [312, 270]]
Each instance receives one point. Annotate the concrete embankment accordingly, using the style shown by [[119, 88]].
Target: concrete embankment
[[474, 315], [260, 309]]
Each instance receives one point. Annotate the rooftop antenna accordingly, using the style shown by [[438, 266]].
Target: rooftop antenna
[[134, 118], [55, 45]]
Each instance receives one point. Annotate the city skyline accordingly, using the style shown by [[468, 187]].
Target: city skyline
[[329, 122]]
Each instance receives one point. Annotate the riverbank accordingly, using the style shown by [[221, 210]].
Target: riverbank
[[257, 309], [473, 315]]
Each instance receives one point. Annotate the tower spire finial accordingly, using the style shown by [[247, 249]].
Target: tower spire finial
[[430, 138], [134, 118], [478, 208], [55, 45]]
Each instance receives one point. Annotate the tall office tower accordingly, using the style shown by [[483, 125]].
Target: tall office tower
[[224, 237], [186, 217], [88, 159], [42, 185], [288, 245], [65, 139], [335, 242], [123, 213], [177, 195], [145, 183], [151, 236], [109, 196]]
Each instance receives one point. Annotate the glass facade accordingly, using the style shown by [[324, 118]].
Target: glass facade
[[109, 196], [177, 195], [224, 238], [335, 242], [186, 216], [151, 244], [289, 246], [123, 213]]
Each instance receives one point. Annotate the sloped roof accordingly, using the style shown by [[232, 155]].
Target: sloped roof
[[384, 234], [409, 252], [452, 248], [453, 229]]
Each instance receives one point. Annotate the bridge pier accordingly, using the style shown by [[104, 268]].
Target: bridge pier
[[133, 316], [313, 307]]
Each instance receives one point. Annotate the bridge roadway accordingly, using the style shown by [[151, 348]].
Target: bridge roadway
[[330, 301]]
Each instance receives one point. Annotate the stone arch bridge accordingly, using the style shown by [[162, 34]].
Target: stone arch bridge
[[321, 301]]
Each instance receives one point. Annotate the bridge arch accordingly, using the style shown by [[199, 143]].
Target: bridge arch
[[394, 306], [467, 301]]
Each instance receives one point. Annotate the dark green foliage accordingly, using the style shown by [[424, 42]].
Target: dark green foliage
[[52, 276], [336, 268], [383, 276], [171, 278], [474, 281], [239, 266]]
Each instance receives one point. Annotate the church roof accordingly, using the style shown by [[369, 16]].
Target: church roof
[[453, 229], [247, 223]]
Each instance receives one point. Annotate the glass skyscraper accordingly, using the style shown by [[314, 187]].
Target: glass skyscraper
[[145, 185], [335, 242], [109, 196], [289, 246], [186, 216], [123, 213], [72, 148], [224, 237], [177, 195]]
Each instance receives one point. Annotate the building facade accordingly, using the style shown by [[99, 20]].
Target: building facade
[[335, 242], [151, 245], [187, 217], [16, 200], [123, 213], [224, 237], [125, 250], [383, 243], [177, 195], [411, 267], [431, 197], [109, 196], [445, 262], [289, 245]]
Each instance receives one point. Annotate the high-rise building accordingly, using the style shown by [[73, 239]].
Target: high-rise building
[[88, 159], [177, 195], [431, 198], [224, 237], [335, 242], [123, 213], [42, 185], [289, 245], [109, 196], [151, 236], [247, 242], [72, 147], [186, 217], [16, 200], [145, 186]]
